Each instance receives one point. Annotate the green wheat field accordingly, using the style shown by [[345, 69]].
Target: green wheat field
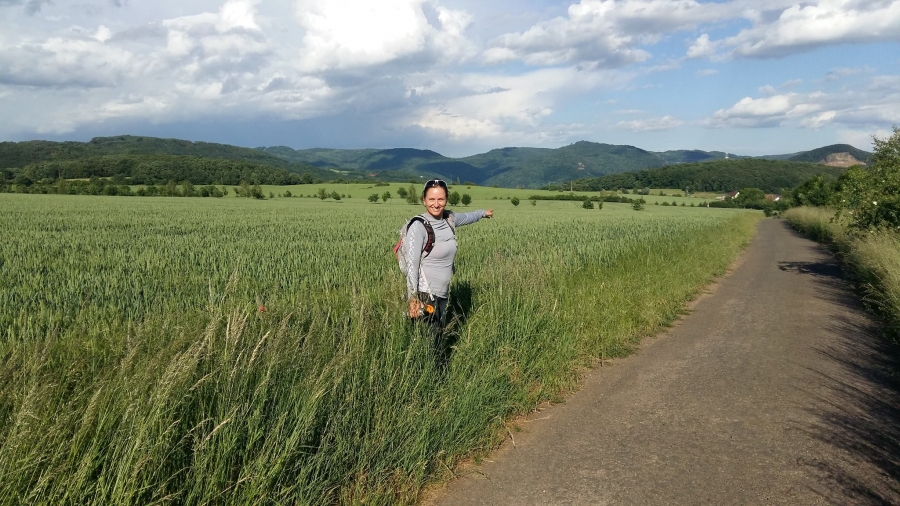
[[240, 351]]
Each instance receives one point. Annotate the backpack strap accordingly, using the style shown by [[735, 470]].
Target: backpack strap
[[429, 234], [451, 220]]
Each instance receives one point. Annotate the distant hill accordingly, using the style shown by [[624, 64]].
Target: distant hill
[[771, 176], [508, 167], [512, 166], [321, 157], [154, 169], [821, 155], [20, 154], [694, 155]]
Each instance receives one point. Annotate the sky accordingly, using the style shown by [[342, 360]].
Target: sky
[[460, 77]]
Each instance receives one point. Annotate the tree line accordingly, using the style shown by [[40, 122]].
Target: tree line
[[152, 170], [101, 186]]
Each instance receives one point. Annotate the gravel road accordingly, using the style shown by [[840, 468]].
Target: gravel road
[[776, 389]]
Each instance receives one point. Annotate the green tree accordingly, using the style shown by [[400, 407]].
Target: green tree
[[534, 202], [817, 191], [385, 196], [322, 194], [454, 198], [402, 193], [373, 197], [871, 197], [466, 199], [288, 193], [637, 205], [412, 196], [587, 204], [751, 197], [514, 201], [171, 189]]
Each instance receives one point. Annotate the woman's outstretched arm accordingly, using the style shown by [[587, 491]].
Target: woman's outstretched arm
[[471, 217]]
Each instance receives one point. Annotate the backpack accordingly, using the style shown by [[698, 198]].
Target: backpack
[[399, 250]]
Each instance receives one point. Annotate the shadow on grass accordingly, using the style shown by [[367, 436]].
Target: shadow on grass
[[457, 315]]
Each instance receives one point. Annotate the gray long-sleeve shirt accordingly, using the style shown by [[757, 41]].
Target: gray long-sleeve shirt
[[432, 273]]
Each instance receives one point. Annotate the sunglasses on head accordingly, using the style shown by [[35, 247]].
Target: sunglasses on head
[[431, 183]]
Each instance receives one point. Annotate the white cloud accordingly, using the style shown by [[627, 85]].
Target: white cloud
[[702, 47], [602, 33], [804, 26], [817, 121], [238, 14], [346, 34], [650, 125], [515, 103], [876, 103], [707, 72]]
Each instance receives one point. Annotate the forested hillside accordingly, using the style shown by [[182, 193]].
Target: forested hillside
[[154, 160], [20, 154], [718, 176], [510, 167], [155, 169]]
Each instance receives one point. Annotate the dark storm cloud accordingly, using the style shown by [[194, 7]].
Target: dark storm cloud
[[34, 6], [147, 31]]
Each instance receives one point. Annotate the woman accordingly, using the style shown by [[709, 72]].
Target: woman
[[428, 275]]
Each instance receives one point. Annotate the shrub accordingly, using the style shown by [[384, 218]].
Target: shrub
[[373, 197], [454, 198], [587, 204], [514, 201], [637, 206], [871, 197], [466, 199]]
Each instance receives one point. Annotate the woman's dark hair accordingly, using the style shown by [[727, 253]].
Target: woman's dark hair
[[431, 183]]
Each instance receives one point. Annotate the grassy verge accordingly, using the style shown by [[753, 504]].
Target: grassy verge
[[136, 369], [873, 258]]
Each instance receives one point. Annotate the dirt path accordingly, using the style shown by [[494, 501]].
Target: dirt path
[[775, 390]]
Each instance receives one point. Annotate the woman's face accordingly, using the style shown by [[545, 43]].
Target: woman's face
[[435, 201]]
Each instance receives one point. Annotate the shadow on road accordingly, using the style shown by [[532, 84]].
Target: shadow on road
[[856, 395]]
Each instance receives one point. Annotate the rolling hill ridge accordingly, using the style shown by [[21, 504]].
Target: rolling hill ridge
[[507, 167]]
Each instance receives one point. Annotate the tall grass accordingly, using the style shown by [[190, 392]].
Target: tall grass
[[873, 258], [137, 368]]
